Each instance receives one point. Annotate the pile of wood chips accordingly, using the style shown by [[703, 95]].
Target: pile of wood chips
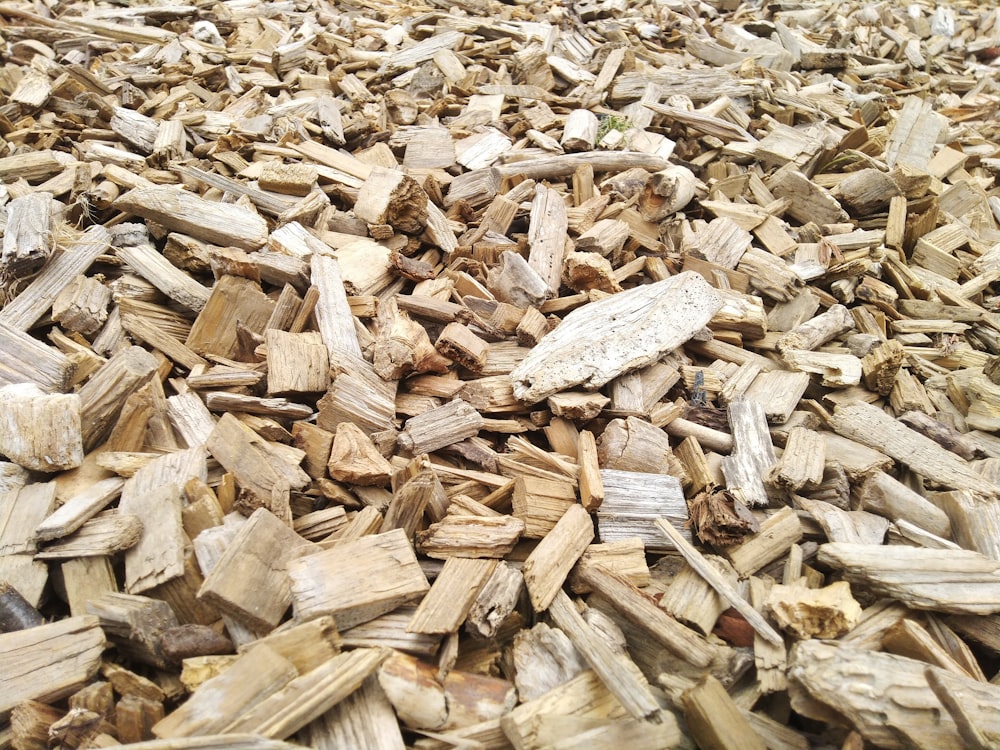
[[467, 374]]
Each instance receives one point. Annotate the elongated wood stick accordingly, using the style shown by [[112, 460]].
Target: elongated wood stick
[[626, 685], [216, 742], [695, 560]]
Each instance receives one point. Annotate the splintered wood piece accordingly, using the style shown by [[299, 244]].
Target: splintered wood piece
[[632, 500], [243, 453], [855, 526], [577, 405], [817, 331], [600, 341], [134, 624], [492, 394], [470, 536], [309, 696], [591, 485], [954, 581], [692, 601], [135, 716], [635, 445], [801, 463], [30, 723], [584, 697], [961, 444], [715, 720], [909, 638], [549, 563], [306, 644], [626, 558], [544, 658], [666, 192], [217, 702], [82, 305], [391, 197], [38, 430], [49, 662], [316, 443], [29, 236], [233, 299], [105, 393], [390, 630], [827, 612], [712, 576], [880, 366], [154, 495], [144, 260], [249, 582], [452, 594], [617, 671], [269, 407], [643, 612], [105, 534], [547, 236], [355, 459], [190, 418], [817, 676], [770, 659], [916, 130], [541, 502], [289, 179], [871, 426], [423, 699], [513, 281], [974, 521], [836, 370], [403, 346], [170, 143], [440, 427], [223, 224], [723, 242], [28, 360], [967, 728], [203, 510], [889, 497], [497, 599], [159, 556], [776, 278], [753, 454], [136, 129], [30, 305], [808, 201], [357, 581], [776, 536], [296, 363], [606, 237], [743, 313], [21, 510], [461, 345], [363, 719], [415, 489], [580, 131], [333, 312]]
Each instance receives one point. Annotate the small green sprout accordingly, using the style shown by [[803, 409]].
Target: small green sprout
[[611, 122]]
